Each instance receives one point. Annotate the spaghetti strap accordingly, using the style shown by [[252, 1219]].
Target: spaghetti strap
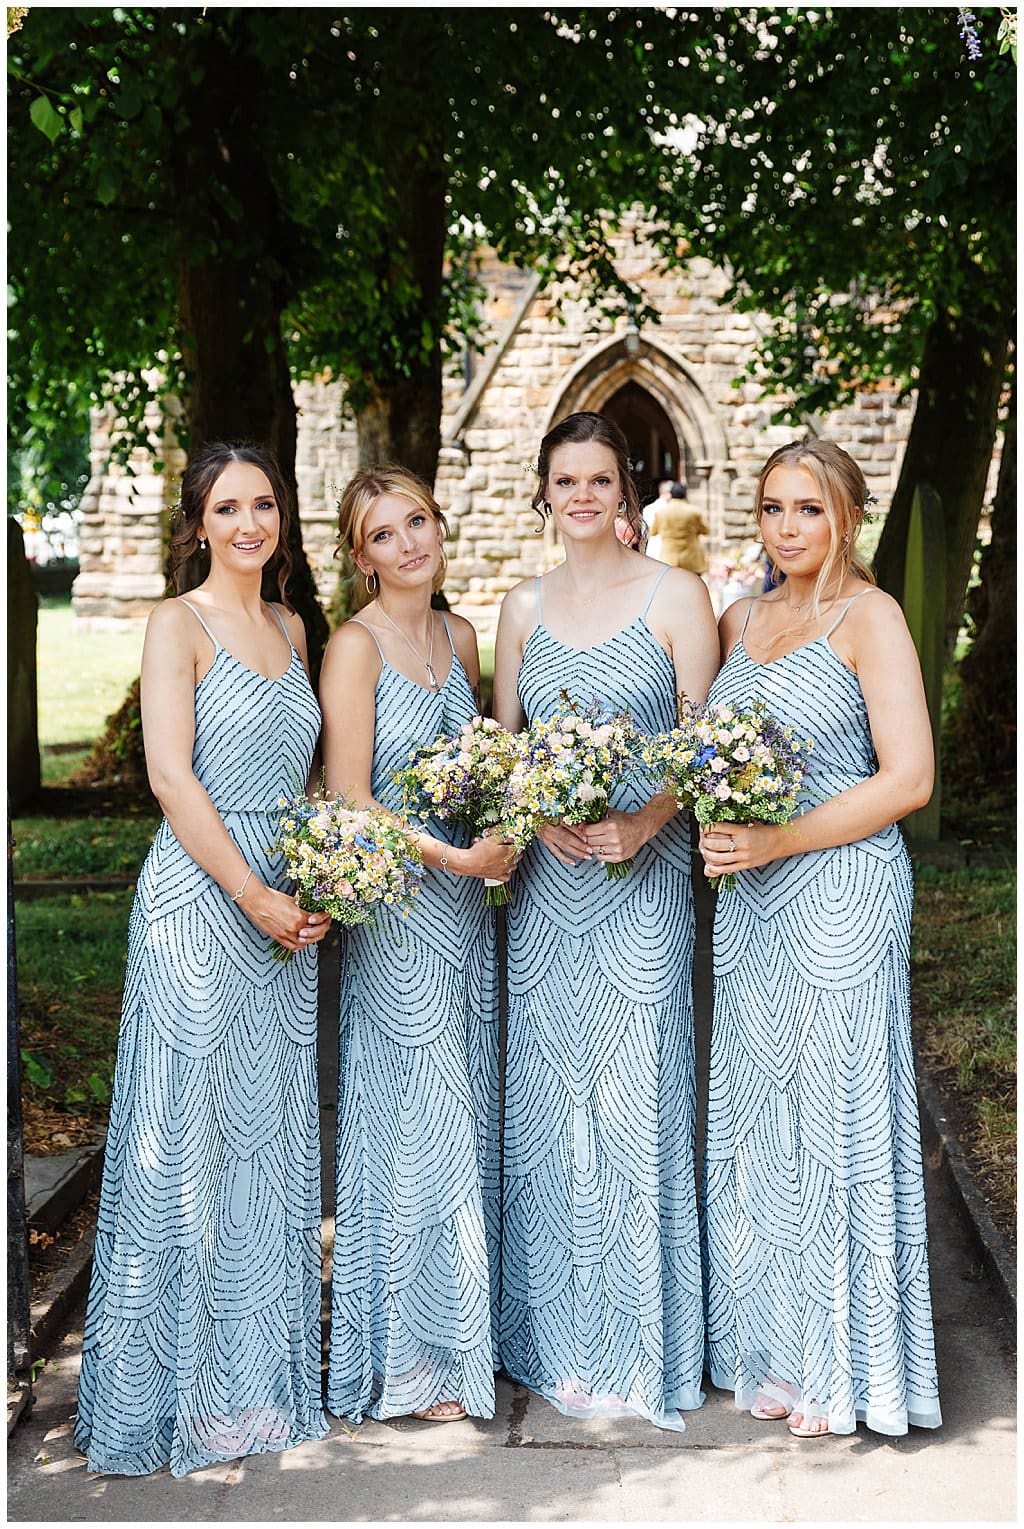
[[202, 623], [356, 622], [284, 628], [451, 640], [845, 608], [536, 590], [750, 607], [654, 590]]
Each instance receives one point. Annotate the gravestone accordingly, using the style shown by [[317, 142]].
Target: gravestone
[[23, 776]]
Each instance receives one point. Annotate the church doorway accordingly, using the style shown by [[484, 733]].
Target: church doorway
[[655, 451]]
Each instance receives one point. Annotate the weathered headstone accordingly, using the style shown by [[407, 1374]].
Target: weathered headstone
[[23, 776], [924, 587]]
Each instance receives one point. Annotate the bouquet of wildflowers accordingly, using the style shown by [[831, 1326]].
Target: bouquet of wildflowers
[[461, 778], [729, 766], [567, 767], [346, 861]]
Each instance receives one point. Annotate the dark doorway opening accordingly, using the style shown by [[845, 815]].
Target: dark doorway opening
[[654, 449]]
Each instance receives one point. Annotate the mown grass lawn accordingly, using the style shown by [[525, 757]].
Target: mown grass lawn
[[82, 677], [71, 953], [81, 847], [963, 984]]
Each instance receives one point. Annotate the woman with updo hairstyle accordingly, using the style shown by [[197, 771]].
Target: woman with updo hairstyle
[[202, 1340], [813, 1211], [410, 1303], [600, 1295]]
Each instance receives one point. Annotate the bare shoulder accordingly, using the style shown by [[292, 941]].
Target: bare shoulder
[[294, 626], [875, 606], [462, 631], [352, 639], [173, 622], [519, 607], [521, 596], [678, 583], [730, 623]]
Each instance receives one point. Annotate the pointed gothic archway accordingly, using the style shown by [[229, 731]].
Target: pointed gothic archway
[[664, 412]]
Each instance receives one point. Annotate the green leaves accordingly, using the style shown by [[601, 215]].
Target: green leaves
[[37, 1069], [46, 118]]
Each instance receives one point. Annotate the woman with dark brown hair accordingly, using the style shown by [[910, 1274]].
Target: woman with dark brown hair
[[600, 1270], [202, 1340]]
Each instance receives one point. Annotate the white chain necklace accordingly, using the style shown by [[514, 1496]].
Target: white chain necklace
[[426, 662]]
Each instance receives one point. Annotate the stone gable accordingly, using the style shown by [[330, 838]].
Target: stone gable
[[679, 381]]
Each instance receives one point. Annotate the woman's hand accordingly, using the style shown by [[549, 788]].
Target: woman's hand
[[731, 847], [566, 842], [493, 858], [280, 917], [620, 834]]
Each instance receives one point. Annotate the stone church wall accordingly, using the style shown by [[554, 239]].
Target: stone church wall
[[540, 364]]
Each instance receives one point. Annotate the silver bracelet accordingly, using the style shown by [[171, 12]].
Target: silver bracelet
[[236, 895], [444, 860]]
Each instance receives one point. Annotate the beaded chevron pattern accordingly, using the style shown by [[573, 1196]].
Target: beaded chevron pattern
[[600, 1298], [202, 1340], [410, 1314], [813, 1214]]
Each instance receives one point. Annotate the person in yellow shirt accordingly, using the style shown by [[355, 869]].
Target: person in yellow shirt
[[680, 526]]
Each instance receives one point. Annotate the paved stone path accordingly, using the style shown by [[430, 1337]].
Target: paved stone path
[[530, 1464]]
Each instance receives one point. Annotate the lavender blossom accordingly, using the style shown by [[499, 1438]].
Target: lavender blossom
[[969, 32]]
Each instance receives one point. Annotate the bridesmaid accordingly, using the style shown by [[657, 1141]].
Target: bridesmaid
[[202, 1340], [813, 1201], [600, 1286], [410, 1327]]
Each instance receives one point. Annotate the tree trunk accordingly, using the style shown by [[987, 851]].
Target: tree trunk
[[987, 717], [950, 448], [231, 305], [401, 418]]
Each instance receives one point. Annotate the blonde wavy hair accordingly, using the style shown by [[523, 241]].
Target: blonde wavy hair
[[358, 498], [843, 491]]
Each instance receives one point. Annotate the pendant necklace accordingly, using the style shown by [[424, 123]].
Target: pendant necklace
[[426, 662]]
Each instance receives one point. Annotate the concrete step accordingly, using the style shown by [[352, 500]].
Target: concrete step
[[56, 1186]]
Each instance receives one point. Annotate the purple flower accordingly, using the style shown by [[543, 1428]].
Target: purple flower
[[969, 32]]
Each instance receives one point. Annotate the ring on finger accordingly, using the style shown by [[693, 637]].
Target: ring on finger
[[732, 845]]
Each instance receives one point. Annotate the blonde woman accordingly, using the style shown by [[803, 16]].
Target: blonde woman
[[410, 1330], [813, 1204]]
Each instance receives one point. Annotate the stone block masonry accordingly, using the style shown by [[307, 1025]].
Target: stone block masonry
[[541, 362]]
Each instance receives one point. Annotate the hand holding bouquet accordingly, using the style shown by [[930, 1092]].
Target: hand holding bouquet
[[729, 766], [461, 778], [346, 861], [567, 767]]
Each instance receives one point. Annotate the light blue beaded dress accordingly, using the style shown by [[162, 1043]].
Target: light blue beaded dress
[[410, 1303], [600, 1286], [813, 1199], [202, 1340]]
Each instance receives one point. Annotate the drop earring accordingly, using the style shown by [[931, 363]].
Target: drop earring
[[202, 544]]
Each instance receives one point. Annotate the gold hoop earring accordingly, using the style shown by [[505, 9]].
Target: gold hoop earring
[[622, 506], [371, 588]]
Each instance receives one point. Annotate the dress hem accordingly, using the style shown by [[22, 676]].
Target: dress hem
[[920, 1412]]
